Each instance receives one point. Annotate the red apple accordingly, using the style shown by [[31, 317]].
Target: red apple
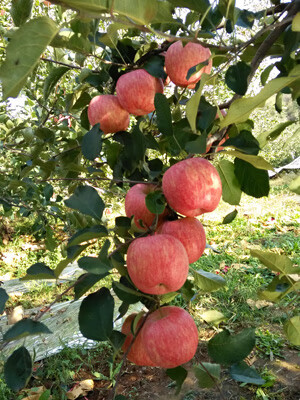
[[135, 205], [136, 91], [191, 234], [157, 264], [170, 336], [106, 110], [192, 187], [179, 59], [137, 354]]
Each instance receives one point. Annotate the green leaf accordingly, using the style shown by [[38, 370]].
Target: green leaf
[[120, 289], [277, 289], [3, 299], [193, 103], [213, 317], [241, 109], [275, 262], [94, 265], [178, 375], [230, 217], [196, 68], [225, 348], [197, 146], [295, 185], [155, 67], [20, 11], [72, 253], [231, 189], [256, 161], [87, 282], [253, 181], [23, 328], [296, 23], [245, 18], [207, 374], [117, 339], [163, 112], [122, 226], [51, 80], [245, 142], [46, 395], [141, 11], [273, 133], [86, 200], [241, 372], [91, 144], [206, 115], [292, 330], [155, 202], [23, 53], [206, 281], [120, 397], [94, 232], [96, 315], [39, 271], [17, 369], [265, 74], [236, 77]]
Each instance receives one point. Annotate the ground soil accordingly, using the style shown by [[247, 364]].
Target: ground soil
[[145, 383]]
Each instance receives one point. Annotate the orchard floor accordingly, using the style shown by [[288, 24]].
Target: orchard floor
[[145, 383]]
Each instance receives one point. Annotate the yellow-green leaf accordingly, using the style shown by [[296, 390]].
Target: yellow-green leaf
[[141, 11], [296, 23], [256, 161], [193, 104], [241, 109], [23, 53], [295, 185], [292, 330]]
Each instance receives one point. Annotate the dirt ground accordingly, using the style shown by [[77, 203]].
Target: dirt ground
[[146, 383]]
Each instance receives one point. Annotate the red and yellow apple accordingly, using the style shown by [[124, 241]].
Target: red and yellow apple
[[192, 187], [137, 353], [179, 59], [170, 336], [157, 264], [136, 91], [135, 204], [107, 111], [190, 232]]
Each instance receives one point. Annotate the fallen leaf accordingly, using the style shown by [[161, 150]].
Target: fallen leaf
[[80, 389]]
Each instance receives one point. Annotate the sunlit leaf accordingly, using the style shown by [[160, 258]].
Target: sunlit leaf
[[292, 330], [23, 53], [241, 109]]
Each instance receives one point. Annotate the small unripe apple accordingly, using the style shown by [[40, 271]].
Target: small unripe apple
[[170, 336], [135, 204], [136, 91], [179, 59], [192, 187], [137, 353], [106, 110], [157, 264], [190, 232]]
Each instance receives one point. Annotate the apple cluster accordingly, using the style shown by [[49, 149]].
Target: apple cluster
[[136, 89], [158, 263]]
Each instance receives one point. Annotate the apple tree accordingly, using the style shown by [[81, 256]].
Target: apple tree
[[152, 99]]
